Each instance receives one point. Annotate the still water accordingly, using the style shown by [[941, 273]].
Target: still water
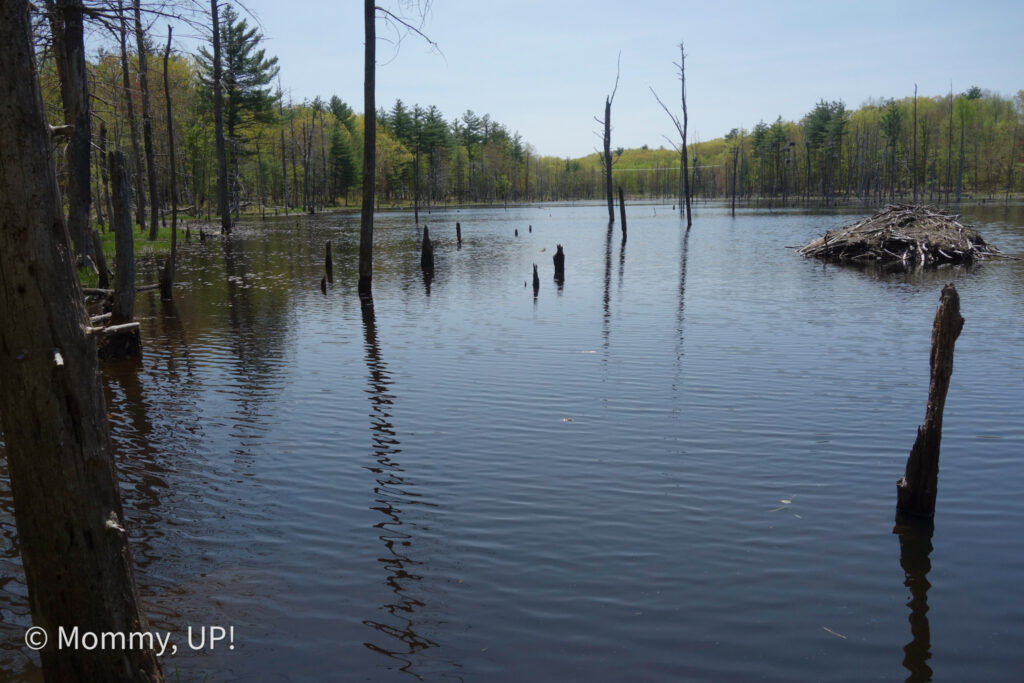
[[680, 465]]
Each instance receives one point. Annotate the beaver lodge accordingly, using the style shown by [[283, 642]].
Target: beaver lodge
[[899, 233]]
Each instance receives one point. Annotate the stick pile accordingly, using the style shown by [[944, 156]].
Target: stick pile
[[900, 233]]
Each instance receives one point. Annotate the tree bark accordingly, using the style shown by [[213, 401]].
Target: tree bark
[[369, 148], [67, 25], [622, 211], [218, 125], [608, 157], [685, 164], [167, 277], [147, 124], [915, 492], [140, 190], [71, 534]]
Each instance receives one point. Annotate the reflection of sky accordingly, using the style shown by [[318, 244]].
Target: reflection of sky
[[587, 507]]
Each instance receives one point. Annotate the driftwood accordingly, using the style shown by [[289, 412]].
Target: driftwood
[[908, 234], [915, 492]]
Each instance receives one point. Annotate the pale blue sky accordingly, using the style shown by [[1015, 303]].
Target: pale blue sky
[[544, 67]]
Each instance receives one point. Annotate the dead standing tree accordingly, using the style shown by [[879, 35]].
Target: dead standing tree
[[67, 24], [606, 156], [916, 490], [73, 543], [684, 165], [370, 11]]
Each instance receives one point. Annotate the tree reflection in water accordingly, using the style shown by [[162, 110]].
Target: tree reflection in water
[[915, 549], [392, 493]]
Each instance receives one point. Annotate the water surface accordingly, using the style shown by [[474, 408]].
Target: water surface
[[679, 465]]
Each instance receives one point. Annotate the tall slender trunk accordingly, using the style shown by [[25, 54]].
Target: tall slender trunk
[[686, 177], [914, 169], [168, 279], [608, 158], [105, 178], [147, 123], [140, 190], [369, 148], [949, 147], [71, 534], [284, 173], [218, 124], [67, 24], [960, 166]]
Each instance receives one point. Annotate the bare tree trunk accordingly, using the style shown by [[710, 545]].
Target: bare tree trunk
[[218, 124], [949, 146], [71, 534], [284, 172], [914, 169], [67, 25], [140, 190], [105, 178], [686, 178], [147, 124], [915, 492], [167, 279], [369, 149]]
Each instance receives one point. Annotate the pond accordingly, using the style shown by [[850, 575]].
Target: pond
[[678, 465]]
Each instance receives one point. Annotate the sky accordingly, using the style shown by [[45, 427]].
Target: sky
[[544, 67]]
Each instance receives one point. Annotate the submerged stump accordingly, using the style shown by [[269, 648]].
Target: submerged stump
[[916, 490], [427, 252], [559, 259], [909, 234]]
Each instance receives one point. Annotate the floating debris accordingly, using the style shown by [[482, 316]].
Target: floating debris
[[909, 234]]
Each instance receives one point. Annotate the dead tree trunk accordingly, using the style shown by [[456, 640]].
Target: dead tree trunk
[[101, 260], [147, 124], [559, 260], [427, 252], [686, 176], [622, 211], [71, 534], [140, 190], [124, 343], [915, 492], [167, 277], [67, 25], [218, 125], [607, 155], [369, 148], [104, 178]]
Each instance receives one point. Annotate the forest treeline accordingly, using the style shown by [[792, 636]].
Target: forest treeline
[[305, 156]]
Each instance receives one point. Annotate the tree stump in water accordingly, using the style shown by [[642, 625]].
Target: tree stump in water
[[559, 259], [622, 211], [427, 253], [916, 490], [458, 233], [536, 280]]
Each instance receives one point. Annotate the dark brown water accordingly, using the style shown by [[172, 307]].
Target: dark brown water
[[679, 466]]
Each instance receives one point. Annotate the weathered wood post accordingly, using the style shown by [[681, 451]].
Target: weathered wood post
[[126, 342], [536, 280], [915, 491], [427, 252], [458, 233], [329, 264], [622, 211], [559, 259]]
